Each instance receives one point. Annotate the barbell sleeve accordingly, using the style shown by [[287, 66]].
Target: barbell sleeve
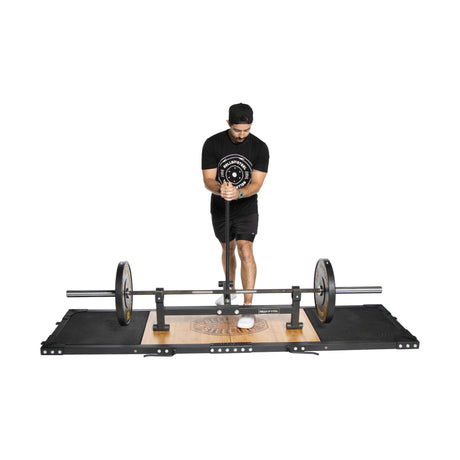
[[90, 293], [359, 290]]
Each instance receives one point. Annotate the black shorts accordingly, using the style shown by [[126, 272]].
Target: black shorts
[[241, 227]]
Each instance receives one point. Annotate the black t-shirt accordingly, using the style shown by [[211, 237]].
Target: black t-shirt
[[234, 163]]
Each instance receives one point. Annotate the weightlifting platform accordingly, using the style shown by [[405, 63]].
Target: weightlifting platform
[[360, 327]]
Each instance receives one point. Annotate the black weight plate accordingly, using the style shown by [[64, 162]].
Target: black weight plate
[[123, 296], [324, 300]]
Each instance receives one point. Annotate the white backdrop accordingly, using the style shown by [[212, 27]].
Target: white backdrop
[[104, 109]]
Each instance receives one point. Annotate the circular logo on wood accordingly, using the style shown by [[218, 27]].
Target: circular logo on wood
[[218, 325], [235, 169]]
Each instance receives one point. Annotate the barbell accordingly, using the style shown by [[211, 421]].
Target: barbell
[[324, 290]]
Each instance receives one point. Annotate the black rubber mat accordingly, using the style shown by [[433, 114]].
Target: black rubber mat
[[367, 323], [98, 327]]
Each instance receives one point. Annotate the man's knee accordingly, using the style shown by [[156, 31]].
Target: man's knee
[[245, 251], [231, 246]]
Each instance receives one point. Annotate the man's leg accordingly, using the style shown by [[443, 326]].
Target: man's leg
[[232, 268], [248, 267], [232, 260]]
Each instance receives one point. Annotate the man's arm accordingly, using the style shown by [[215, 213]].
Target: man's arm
[[257, 181], [229, 192], [209, 178]]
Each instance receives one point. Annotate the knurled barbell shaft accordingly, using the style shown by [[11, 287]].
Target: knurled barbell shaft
[[338, 290]]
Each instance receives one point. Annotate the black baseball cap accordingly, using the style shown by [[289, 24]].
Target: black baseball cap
[[240, 114]]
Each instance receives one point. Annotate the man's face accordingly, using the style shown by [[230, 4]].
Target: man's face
[[239, 132]]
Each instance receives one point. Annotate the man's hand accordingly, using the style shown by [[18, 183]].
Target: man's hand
[[228, 192]]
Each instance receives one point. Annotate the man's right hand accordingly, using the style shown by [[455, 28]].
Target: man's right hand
[[228, 192]]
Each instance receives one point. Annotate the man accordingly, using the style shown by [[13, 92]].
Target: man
[[234, 164]]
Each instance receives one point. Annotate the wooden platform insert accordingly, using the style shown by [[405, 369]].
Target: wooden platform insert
[[223, 329]]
